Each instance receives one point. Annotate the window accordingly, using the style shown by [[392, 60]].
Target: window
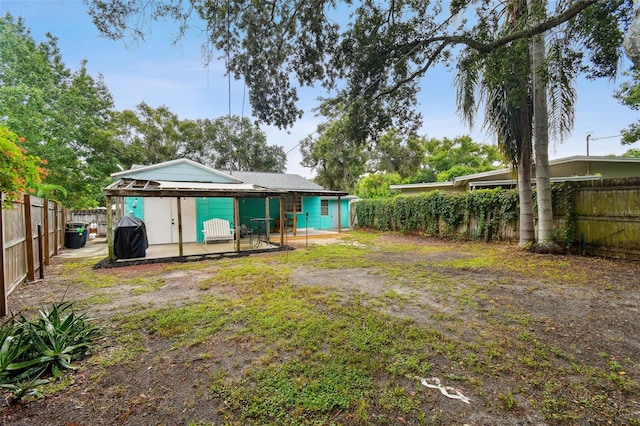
[[324, 207], [288, 204]]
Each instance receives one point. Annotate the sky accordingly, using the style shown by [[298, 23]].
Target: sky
[[161, 72]]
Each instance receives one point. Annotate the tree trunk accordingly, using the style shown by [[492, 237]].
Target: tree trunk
[[541, 131], [632, 38], [525, 195]]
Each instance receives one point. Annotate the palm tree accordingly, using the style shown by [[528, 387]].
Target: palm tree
[[512, 124], [536, 9], [502, 80]]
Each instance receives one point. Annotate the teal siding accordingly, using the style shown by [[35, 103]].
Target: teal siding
[[209, 208], [344, 220], [255, 207], [310, 205], [135, 206]]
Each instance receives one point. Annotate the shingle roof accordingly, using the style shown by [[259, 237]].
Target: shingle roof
[[283, 181]]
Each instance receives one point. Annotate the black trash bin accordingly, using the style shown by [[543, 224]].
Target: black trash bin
[[130, 239], [75, 235]]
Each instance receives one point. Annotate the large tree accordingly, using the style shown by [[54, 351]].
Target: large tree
[[629, 95], [20, 172], [376, 56], [374, 63], [60, 113], [338, 162], [235, 143], [450, 158], [153, 135]]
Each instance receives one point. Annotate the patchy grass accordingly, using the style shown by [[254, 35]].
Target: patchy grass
[[506, 328]]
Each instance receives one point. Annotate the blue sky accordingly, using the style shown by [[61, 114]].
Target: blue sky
[[160, 73]]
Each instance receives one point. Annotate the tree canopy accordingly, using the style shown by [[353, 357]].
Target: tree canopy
[[153, 135], [629, 95], [58, 112], [371, 54], [20, 172], [68, 118]]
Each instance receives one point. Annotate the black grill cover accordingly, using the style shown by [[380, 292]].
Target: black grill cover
[[130, 240]]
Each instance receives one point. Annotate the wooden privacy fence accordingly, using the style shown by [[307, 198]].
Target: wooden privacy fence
[[32, 232], [598, 217], [97, 216], [607, 217]]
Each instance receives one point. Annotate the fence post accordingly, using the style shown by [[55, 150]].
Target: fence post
[[3, 284], [28, 230], [56, 228], [45, 226], [41, 247]]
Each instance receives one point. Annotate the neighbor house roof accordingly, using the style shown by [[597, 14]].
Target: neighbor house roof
[[579, 167]]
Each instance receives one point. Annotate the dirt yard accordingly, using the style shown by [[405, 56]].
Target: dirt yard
[[529, 339]]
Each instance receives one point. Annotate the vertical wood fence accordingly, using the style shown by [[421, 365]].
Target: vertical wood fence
[[608, 217], [97, 216], [600, 217], [32, 232]]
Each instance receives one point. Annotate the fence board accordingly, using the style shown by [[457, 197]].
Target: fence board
[[19, 244], [97, 216]]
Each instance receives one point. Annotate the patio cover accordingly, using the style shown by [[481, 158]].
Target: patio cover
[[128, 187]]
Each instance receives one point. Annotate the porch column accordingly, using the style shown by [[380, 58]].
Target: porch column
[[112, 257], [282, 220], [180, 248], [267, 226], [294, 221], [236, 221], [339, 214]]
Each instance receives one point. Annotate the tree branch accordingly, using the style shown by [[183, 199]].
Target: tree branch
[[540, 28]]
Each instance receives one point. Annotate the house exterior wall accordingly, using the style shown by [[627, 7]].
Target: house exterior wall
[[210, 208], [134, 206], [603, 168]]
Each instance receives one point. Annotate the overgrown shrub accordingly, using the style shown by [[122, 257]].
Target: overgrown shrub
[[442, 214], [30, 351], [475, 214]]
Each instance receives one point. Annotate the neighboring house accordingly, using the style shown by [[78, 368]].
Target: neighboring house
[[150, 193], [577, 168]]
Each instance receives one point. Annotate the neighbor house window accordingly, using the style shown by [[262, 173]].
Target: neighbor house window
[[324, 207], [288, 204]]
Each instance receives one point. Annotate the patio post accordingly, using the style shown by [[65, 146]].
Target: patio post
[[180, 247], [236, 221], [339, 214], [112, 257], [282, 220], [294, 222], [266, 222]]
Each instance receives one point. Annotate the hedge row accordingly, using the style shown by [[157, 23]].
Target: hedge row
[[485, 213]]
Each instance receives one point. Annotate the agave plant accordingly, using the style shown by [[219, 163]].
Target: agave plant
[[60, 336], [23, 388], [28, 349]]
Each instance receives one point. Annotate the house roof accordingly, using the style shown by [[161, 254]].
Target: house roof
[[185, 177], [285, 181]]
